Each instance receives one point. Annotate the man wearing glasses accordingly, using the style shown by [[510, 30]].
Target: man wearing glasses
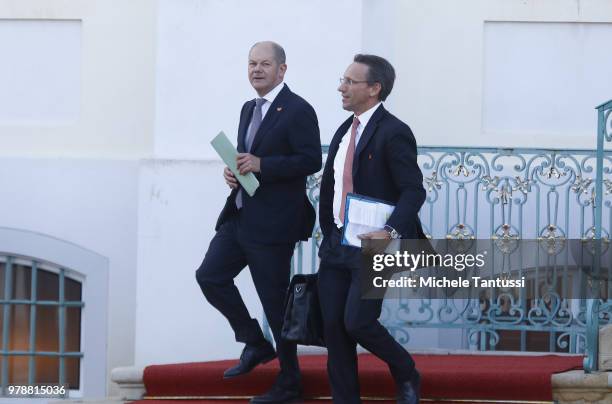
[[372, 153]]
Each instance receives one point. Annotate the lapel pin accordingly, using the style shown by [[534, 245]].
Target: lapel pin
[[279, 109], [369, 156]]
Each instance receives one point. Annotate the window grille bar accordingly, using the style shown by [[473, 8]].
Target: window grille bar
[[62, 328], [6, 321], [33, 296], [8, 283]]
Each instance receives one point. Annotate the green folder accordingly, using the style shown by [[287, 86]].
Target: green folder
[[228, 153]]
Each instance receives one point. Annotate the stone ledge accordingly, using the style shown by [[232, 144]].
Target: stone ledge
[[605, 348], [110, 400], [577, 387], [129, 380]]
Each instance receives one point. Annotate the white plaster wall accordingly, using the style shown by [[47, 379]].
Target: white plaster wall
[[543, 79], [92, 203], [202, 64], [41, 82], [179, 204], [76, 178], [440, 65], [113, 118]]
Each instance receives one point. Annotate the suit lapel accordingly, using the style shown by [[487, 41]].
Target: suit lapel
[[274, 112], [335, 144], [366, 136], [244, 125]]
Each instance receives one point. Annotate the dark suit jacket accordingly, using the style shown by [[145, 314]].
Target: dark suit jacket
[[289, 146], [384, 167]]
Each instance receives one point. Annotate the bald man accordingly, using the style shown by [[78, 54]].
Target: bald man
[[278, 141]]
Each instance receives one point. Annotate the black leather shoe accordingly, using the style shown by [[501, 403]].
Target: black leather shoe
[[278, 395], [409, 392], [250, 357]]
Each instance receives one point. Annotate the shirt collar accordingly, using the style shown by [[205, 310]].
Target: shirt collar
[[274, 92], [364, 118]]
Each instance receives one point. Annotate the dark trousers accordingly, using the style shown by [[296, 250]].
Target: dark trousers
[[229, 252], [349, 320]]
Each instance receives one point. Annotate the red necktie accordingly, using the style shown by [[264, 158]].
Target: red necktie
[[347, 174]]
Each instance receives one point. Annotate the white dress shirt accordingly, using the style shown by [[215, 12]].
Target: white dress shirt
[[269, 100], [364, 118]]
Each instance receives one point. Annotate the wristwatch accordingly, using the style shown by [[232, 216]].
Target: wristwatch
[[392, 232]]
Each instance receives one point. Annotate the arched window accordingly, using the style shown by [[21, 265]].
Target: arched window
[[53, 313], [41, 323]]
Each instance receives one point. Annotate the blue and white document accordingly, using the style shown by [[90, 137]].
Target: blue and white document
[[363, 214]]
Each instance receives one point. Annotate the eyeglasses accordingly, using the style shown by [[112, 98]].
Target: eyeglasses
[[350, 82]]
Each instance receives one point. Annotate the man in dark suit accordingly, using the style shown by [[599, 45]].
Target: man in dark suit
[[373, 153], [278, 141]]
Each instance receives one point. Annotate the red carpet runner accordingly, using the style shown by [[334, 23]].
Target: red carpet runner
[[460, 377]]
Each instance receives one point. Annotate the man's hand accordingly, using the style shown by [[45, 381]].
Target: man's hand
[[247, 163], [230, 179], [374, 247], [375, 235]]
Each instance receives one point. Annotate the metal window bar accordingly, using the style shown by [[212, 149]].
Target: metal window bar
[[62, 329], [34, 292], [8, 281], [7, 302]]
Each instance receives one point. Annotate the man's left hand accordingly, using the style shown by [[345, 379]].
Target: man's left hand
[[374, 247], [247, 163]]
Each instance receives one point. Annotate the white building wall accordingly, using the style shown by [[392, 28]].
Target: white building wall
[[441, 64], [91, 203], [202, 54], [179, 203], [115, 91], [71, 141], [41, 85]]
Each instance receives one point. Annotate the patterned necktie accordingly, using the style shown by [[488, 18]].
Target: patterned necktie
[[347, 174], [248, 141]]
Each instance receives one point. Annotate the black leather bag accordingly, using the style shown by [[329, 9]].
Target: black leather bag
[[303, 323]]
